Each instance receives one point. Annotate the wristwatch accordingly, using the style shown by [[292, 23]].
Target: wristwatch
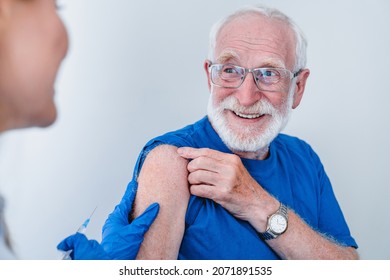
[[277, 224]]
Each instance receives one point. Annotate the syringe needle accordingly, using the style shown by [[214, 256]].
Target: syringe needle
[[81, 229]]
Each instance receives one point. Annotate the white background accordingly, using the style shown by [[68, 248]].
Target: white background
[[134, 71]]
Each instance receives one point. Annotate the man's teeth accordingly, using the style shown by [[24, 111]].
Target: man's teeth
[[253, 116]]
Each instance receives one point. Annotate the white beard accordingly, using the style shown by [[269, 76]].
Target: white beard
[[248, 139]]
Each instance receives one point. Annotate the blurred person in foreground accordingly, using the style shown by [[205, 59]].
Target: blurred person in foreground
[[33, 43]]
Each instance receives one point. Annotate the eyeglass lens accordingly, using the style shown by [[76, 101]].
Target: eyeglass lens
[[267, 79]]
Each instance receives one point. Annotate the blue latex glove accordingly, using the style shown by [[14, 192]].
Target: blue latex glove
[[122, 240], [82, 248]]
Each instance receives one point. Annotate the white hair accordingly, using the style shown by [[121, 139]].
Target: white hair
[[300, 40]]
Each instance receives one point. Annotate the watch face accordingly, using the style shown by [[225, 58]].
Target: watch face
[[278, 223]]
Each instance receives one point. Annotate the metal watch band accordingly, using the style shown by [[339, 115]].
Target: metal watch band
[[283, 209], [268, 234]]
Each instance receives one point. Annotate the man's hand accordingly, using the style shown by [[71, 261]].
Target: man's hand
[[224, 179]]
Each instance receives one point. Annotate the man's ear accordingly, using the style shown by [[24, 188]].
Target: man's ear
[[206, 66], [300, 85]]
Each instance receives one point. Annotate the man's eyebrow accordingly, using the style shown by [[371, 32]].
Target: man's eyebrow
[[233, 57], [228, 56], [272, 63]]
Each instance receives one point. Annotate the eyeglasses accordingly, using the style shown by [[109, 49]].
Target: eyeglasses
[[266, 79]]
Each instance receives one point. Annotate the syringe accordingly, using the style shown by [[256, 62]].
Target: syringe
[[81, 229]]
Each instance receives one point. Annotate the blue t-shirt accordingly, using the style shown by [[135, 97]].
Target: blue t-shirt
[[292, 173]]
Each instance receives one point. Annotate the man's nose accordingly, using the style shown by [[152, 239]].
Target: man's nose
[[248, 93]]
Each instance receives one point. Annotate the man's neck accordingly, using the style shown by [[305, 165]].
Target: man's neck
[[258, 155]]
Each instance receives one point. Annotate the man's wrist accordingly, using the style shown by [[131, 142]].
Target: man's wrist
[[266, 209]]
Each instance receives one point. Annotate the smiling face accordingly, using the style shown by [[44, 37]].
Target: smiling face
[[246, 118], [33, 42]]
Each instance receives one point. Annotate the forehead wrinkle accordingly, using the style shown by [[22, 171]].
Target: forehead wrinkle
[[253, 43], [265, 46]]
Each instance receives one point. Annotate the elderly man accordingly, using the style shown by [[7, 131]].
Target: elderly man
[[230, 186]]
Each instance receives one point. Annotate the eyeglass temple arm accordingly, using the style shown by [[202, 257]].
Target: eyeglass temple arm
[[297, 73]]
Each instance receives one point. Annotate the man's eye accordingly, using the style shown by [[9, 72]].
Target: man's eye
[[270, 73], [230, 70]]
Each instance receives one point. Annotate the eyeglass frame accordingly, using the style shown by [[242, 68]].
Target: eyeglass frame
[[251, 70]]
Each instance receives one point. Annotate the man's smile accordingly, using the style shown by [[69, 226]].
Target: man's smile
[[247, 116]]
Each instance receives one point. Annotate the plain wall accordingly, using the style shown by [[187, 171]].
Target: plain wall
[[134, 70]]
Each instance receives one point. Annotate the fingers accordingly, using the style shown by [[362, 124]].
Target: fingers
[[214, 175], [120, 215], [130, 192], [192, 153], [128, 198], [209, 159], [205, 191], [198, 177], [66, 244], [146, 219], [204, 159], [212, 167], [123, 242], [72, 241]]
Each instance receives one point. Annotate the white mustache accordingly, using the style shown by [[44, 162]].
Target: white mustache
[[261, 107]]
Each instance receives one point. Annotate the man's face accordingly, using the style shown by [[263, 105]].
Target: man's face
[[33, 42], [246, 118]]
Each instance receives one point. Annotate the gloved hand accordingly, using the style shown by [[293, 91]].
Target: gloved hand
[[82, 248], [122, 240]]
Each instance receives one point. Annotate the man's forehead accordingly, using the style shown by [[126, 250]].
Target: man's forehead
[[256, 37]]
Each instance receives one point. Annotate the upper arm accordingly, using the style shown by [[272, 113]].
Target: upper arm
[[163, 179]]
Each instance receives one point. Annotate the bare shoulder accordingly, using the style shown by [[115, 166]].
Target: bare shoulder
[[163, 175], [163, 158], [163, 179]]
